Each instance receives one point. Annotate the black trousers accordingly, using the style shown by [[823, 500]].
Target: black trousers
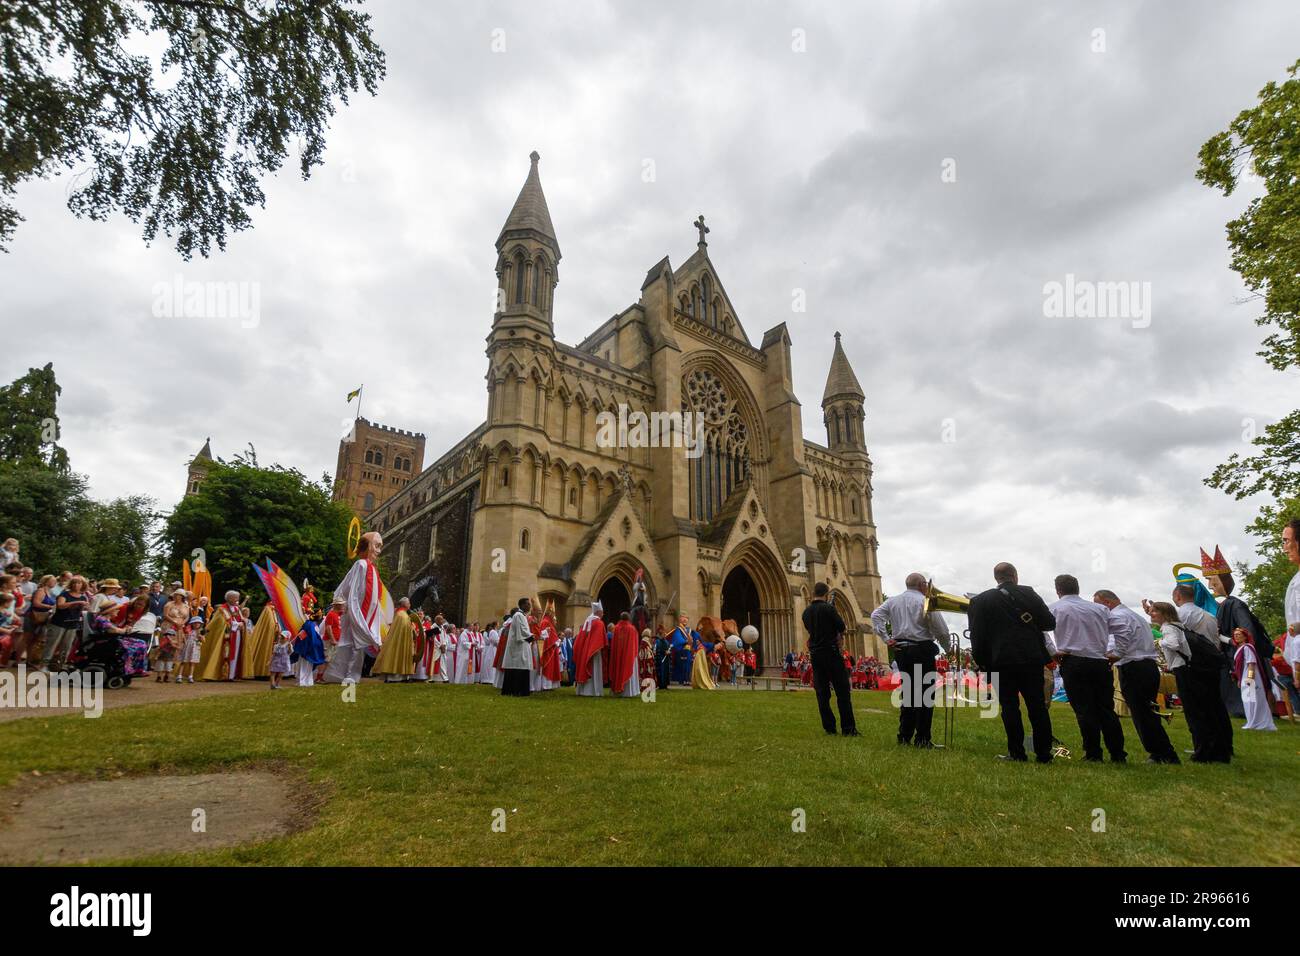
[[1091, 689], [1011, 684], [1139, 682], [516, 681], [917, 712], [663, 671], [828, 671], [1207, 714]]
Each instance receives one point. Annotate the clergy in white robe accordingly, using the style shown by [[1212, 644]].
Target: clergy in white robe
[[516, 661], [361, 591], [446, 662], [488, 674], [589, 650], [1250, 678], [463, 655]]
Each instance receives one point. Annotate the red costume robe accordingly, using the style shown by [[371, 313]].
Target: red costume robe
[[622, 655], [551, 669], [591, 641]]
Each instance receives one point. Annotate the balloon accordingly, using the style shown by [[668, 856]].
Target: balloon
[[733, 643], [749, 633]]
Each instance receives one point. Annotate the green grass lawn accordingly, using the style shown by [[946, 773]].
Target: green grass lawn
[[412, 773]]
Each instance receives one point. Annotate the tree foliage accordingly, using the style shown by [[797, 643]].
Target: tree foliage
[[243, 513], [1265, 243], [60, 528], [29, 421], [44, 504], [175, 141]]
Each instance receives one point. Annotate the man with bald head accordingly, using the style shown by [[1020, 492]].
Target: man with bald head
[[912, 635], [360, 592], [1007, 640]]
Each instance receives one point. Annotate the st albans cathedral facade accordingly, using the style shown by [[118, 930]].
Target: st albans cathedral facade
[[738, 519]]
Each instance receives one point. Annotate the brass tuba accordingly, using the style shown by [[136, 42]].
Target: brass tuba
[[936, 600]]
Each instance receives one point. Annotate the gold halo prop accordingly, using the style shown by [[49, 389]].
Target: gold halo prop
[[354, 537]]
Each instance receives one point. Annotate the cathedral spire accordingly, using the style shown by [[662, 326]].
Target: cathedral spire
[[842, 405], [528, 259], [530, 218], [841, 381]]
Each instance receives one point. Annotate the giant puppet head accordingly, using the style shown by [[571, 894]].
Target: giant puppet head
[[1218, 573]]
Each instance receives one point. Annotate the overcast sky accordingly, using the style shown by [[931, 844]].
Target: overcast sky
[[1073, 444]]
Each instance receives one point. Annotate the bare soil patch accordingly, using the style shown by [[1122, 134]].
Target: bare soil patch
[[56, 820]]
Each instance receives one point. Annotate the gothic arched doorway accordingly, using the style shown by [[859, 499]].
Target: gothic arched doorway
[[740, 598], [755, 591], [614, 598]]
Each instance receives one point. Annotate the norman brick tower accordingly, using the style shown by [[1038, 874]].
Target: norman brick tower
[[376, 462]]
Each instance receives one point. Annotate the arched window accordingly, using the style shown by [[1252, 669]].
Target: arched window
[[519, 278], [705, 299], [370, 457], [573, 496], [370, 501], [379, 458], [714, 318], [505, 477], [537, 284], [523, 540], [721, 465]]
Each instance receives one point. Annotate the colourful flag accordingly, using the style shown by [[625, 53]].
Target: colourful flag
[[355, 393], [283, 595]]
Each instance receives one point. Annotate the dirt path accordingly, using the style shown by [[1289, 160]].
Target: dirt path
[[146, 691], [88, 820]]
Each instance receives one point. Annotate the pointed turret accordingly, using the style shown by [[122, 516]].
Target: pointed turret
[[841, 382], [198, 468], [842, 405], [528, 257], [530, 216]]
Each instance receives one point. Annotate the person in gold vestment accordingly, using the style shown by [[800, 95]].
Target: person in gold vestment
[[700, 677], [223, 642], [260, 644], [396, 659]]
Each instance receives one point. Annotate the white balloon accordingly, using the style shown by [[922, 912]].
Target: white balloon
[[750, 633]]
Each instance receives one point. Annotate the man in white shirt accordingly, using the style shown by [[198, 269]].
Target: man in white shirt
[[912, 635], [1133, 651], [1291, 607], [1082, 636]]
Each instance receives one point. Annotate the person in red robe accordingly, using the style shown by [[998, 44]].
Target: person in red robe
[[590, 652], [552, 671], [624, 678]]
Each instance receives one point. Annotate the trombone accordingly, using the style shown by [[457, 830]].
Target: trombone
[[936, 600]]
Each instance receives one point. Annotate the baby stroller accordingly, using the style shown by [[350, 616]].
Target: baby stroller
[[101, 650]]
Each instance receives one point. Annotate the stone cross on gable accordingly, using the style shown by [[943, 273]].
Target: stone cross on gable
[[699, 224]]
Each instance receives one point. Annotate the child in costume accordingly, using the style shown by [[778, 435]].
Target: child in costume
[[280, 659]]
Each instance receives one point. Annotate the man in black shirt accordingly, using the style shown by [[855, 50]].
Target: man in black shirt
[[825, 630], [1006, 639]]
